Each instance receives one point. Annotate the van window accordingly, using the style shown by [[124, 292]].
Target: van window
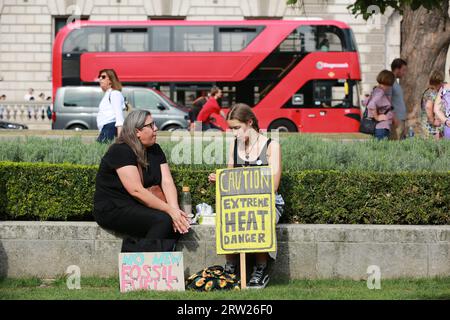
[[78, 98], [146, 99]]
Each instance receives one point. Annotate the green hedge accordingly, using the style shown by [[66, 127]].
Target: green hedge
[[299, 152], [39, 191]]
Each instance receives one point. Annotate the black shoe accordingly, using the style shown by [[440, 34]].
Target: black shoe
[[259, 278], [230, 268]]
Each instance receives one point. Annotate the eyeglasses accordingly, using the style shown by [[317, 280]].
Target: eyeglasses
[[102, 76], [150, 125]]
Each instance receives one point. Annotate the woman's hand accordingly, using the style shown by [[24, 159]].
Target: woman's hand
[[180, 220], [437, 122], [382, 117], [212, 177]]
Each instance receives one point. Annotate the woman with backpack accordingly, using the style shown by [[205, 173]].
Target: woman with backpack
[[379, 105], [442, 108]]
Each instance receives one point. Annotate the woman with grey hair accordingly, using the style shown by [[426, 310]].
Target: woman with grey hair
[[135, 194]]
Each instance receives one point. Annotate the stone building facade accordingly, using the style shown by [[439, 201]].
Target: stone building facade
[[28, 28]]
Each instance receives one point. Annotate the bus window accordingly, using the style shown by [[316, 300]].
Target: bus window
[[128, 40], [303, 98], [228, 97], [329, 38], [160, 39], [256, 95], [331, 94], [324, 94], [292, 43], [300, 40], [235, 38], [357, 94], [314, 38], [308, 42], [88, 39], [194, 39]]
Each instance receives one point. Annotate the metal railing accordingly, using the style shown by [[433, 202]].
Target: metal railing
[[26, 111]]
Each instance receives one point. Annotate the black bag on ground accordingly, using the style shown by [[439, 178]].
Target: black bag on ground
[[213, 278]]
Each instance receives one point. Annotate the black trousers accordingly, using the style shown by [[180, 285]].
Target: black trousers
[[147, 230]]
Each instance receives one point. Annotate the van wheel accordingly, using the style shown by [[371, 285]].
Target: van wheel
[[77, 127], [172, 127], [283, 125]]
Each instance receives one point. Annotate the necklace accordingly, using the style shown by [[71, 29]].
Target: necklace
[[247, 154]]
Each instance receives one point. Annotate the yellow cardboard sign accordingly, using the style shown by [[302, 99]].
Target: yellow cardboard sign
[[245, 210]]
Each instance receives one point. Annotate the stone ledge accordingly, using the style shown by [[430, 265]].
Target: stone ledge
[[86, 230], [46, 249]]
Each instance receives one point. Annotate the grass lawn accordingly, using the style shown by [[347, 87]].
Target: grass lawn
[[100, 289]]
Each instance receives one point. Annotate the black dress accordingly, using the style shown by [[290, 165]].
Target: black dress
[[149, 230]]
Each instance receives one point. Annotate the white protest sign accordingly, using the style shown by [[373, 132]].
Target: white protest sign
[[161, 271]]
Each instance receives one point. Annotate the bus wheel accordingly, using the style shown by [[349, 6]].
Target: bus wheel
[[77, 127], [282, 125]]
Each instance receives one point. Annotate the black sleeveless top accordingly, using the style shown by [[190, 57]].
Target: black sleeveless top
[[260, 161]]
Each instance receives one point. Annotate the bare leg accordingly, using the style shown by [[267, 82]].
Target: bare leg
[[231, 263], [231, 258], [260, 258]]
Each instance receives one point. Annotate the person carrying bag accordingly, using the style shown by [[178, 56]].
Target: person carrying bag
[[367, 125], [379, 108]]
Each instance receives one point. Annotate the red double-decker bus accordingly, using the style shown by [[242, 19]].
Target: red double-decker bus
[[298, 75]]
